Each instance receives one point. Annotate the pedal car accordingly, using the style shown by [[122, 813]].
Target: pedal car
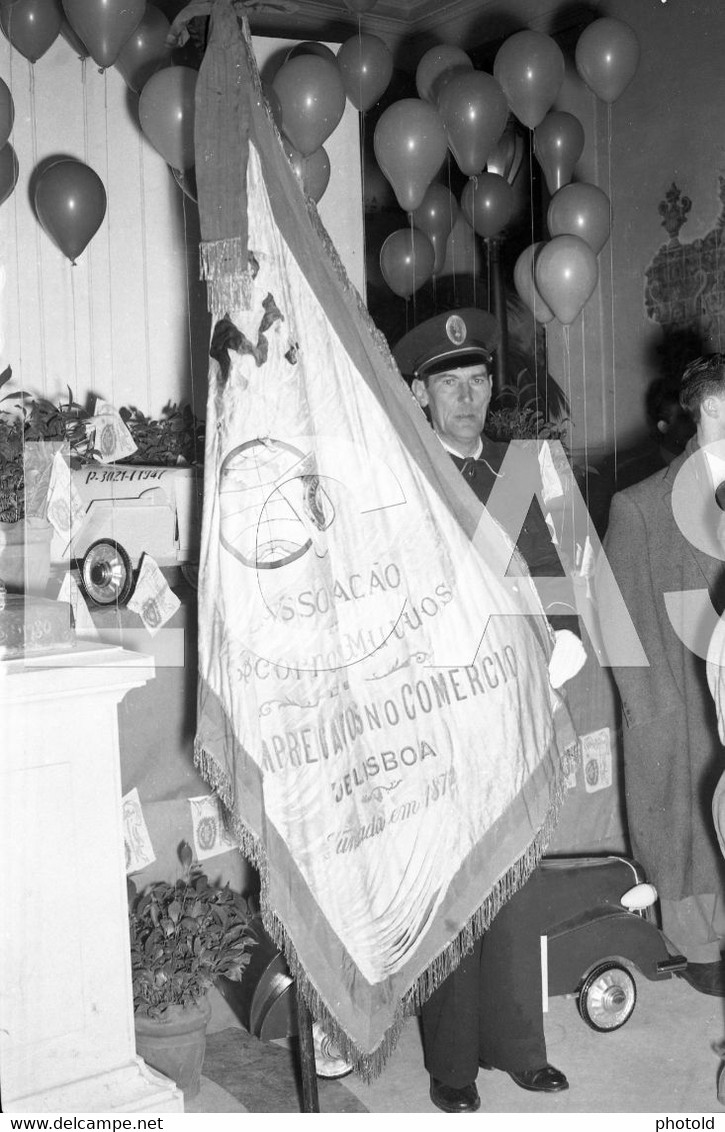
[[599, 925], [130, 509]]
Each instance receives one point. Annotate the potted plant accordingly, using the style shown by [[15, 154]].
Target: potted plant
[[184, 936]]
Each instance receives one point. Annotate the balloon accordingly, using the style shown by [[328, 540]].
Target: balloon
[[104, 25], [186, 180], [487, 202], [435, 217], [7, 113], [146, 51], [312, 171], [566, 274], [310, 47], [360, 5], [606, 57], [70, 37], [406, 261], [473, 110], [8, 171], [558, 145], [581, 210], [410, 147], [525, 284], [312, 97], [439, 62], [166, 114], [70, 202], [530, 68], [366, 66], [32, 25]]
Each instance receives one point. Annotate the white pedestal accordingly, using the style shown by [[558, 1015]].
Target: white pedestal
[[66, 1011]]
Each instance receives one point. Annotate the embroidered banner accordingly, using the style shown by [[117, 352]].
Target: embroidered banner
[[390, 754]]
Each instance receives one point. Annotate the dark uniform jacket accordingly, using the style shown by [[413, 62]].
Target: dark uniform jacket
[[534, 541]]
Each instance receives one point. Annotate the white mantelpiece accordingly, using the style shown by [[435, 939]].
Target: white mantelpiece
[[66, 1010]]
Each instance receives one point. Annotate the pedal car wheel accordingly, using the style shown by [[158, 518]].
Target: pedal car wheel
[[106, 573], [607, 997]]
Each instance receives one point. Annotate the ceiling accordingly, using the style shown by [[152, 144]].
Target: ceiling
[[410, 23]]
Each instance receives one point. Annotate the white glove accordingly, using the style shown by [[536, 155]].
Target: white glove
[[568, 657]]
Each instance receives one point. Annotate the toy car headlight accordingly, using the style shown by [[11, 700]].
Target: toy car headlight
[[640, 897]]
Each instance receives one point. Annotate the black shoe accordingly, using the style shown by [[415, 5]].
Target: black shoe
[[449, 1099], [543, 1080], [708, 978]]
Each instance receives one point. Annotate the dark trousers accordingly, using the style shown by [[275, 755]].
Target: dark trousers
[[490, 1007]]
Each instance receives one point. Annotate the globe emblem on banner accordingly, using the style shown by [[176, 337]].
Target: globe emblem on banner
[[272, 504]]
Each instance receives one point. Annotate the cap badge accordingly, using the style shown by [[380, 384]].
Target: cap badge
[[456, 329]]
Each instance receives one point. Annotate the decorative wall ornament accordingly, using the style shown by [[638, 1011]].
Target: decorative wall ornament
[[685, 282]]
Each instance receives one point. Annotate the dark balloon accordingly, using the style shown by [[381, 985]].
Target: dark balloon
[[566, 273], [474, 112], [70, 203], [312, 97], [410, 147], [166, 113], [310, 47], [530, 68], [607, 56], [7, 113], [488, 202], [366, 66], [104, 25], [312, 171], [439, 63], [436, 217], [558, 145], [32, 26], [525, 284], [8, 171], [146, 51], [406, 261], [581, 210]]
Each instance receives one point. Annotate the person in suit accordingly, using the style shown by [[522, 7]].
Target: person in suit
[[488, 1012], [664, 538]]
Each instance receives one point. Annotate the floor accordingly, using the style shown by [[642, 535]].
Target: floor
[[664, 1060]]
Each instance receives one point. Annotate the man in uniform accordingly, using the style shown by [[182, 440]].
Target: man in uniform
[[488, 1012]]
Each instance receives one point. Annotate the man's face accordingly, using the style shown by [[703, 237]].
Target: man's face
[[458, 402]]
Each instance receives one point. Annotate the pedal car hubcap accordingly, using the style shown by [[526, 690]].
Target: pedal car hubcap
[[104, 574], [610, 999]]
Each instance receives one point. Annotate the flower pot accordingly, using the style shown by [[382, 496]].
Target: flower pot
[[25, 555], [175, 1044]]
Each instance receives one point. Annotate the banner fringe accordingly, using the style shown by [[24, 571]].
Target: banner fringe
[[225, 265], [369, 1065]]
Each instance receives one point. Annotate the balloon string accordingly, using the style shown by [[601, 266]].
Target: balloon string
[[90, 290], [586, 424], [488, 257], [453, 251], [361, 121], [412, 256], [38, 242], [109, 245], [110, 294], [17, 236], [145, 270], [567, 382], [190, 337], [611, 285], [534, 296]]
